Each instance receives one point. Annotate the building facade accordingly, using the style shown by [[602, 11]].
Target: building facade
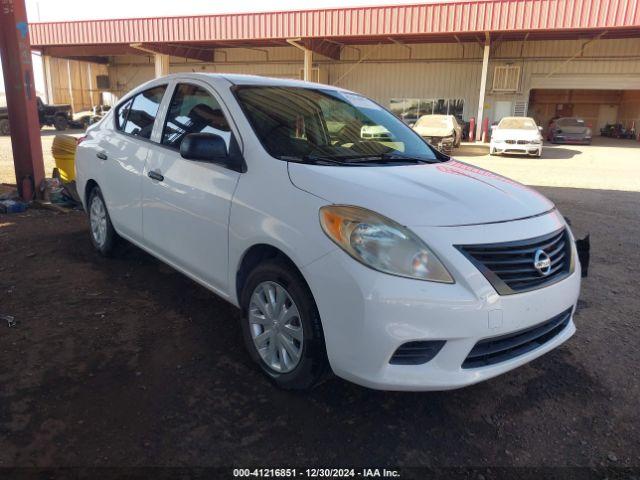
[[485, 59]]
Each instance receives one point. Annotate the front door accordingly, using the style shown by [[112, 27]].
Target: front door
[[186, 203]]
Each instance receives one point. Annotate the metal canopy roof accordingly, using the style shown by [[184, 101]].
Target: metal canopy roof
[[326, 30]]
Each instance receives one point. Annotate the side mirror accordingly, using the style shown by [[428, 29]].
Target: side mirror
[[540, 128], [492, 126], [207, 147]]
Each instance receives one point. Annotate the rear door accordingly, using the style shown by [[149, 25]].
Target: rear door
[[186, 203], [123, 152]]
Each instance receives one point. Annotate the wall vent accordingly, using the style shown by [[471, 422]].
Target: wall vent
[[506, 78], [520, 109]]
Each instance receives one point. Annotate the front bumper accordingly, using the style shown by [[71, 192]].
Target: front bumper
[[367, 315], [526, 148], [567, 139], [443, 144]]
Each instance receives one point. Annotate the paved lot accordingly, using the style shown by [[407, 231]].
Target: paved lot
[[607, 164], [126, 362]]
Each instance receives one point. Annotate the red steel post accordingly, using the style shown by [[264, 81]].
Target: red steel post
[[15, 51]]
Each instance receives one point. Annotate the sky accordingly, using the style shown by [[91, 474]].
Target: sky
[[61, 10]]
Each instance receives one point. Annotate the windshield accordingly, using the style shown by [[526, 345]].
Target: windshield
[[434, 121], [317, 125], [570, 122], [522, 123]]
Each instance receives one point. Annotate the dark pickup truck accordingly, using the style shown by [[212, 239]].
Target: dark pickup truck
[[57, 116]]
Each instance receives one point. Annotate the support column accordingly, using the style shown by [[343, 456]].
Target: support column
[[48, 83], [15, 50], [308, 65], [162, 64], [483, 87]]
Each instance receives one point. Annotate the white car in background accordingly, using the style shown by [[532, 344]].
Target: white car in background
[[516, 135], [377, 258], [441, 131]]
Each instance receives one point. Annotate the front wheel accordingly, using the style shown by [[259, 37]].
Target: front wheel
[[5, 129], [281, 326], [60, 123], [103, 235]]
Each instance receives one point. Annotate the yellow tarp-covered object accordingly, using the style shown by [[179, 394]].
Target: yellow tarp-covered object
[[64, 153]]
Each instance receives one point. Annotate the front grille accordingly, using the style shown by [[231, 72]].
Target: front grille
[[510, 267], [500, 349], [416, 353]]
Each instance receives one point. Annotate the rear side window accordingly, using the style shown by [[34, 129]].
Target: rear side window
[[137, 116], [193, 110]]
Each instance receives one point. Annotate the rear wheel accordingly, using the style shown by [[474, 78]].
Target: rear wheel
[[281, 326], [103, 235], [60, 123], [4, 127]]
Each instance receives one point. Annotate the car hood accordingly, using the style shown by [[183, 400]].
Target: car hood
[[434, 131], [444, 194], [516, 134]]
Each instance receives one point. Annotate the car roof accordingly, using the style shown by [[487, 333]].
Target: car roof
[[243, 79], [518, 118]]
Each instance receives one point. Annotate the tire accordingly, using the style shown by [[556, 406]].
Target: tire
[[5, 129], [103, 235], [60, 123], [311, 365]]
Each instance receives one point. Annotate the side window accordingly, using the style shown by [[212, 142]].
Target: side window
[[142, 113], [193, 110], [123, 112]]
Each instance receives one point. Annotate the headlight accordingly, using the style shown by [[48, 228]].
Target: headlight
[[381, 243]]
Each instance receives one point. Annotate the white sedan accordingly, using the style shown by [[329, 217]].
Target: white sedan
[[373, 257], [516, 135]]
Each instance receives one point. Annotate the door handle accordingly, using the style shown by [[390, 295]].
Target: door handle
[[101, 155], [155, 176]]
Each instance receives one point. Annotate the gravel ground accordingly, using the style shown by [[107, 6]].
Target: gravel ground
[[126, 362], [7, 173]]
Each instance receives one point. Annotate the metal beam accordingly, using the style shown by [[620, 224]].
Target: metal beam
[[308, 58], [182, 50], [323, 47], [15, 51]]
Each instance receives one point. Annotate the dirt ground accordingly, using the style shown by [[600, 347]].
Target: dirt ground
[[125, 362]]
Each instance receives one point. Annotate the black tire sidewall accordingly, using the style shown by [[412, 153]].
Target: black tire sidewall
[[60, 123], [313, 364], [107, 247], [5, 128]]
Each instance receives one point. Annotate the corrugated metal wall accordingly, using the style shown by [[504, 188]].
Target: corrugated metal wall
[[432, 18], [441, 70], [74, 83]]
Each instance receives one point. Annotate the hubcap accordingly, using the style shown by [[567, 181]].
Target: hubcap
[[98, 220], [276, 327]]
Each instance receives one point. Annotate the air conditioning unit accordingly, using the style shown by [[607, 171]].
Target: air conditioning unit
[[102, 82], [506, 78], [318, 75]]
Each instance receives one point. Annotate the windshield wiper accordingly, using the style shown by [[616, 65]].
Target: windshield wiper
[[312, 159], [387, 158]]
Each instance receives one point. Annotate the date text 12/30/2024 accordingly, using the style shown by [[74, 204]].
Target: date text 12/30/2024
[[315, 473]]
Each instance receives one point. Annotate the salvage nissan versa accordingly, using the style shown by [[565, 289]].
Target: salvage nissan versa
[[374, 257]]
